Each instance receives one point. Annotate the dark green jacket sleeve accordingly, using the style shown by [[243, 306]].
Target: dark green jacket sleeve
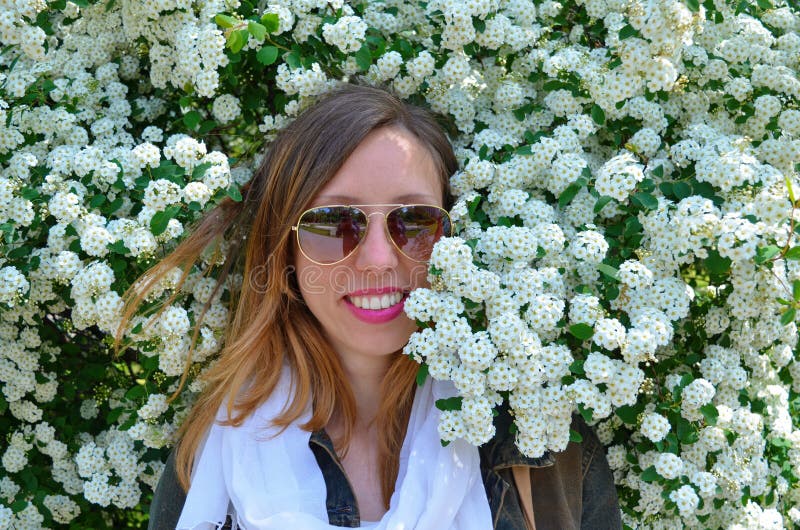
[[168, 499]]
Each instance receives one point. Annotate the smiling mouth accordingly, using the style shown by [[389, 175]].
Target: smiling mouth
[[377, 302]]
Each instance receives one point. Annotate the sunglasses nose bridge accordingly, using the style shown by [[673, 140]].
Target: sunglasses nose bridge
[[384, 224]]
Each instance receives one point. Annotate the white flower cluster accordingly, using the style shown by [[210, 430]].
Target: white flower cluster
[[111, 454], [625, 210], [347, 33]]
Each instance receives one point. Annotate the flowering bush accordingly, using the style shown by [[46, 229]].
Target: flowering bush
[[626, 215]]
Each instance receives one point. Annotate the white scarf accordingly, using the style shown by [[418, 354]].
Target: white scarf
[[274, 482]]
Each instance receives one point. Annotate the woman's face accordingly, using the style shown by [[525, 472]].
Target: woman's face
[[389, 167]]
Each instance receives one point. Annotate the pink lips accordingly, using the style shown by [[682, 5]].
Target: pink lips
[[375, 316]]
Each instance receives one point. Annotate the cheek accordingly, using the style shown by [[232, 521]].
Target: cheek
[[417, 275], [311, 280], [323, 284]]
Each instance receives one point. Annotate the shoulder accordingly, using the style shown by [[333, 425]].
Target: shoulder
[[168, 499]]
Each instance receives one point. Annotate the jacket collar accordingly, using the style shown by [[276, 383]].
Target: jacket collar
[[499, 453]]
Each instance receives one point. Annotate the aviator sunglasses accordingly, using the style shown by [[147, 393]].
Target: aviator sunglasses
[[328, 234]]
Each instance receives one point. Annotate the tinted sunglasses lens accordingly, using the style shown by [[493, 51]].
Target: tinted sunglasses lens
[[416, 228], [330, 234]]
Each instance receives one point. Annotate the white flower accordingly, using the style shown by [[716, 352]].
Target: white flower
[[226, 108], [589, 246], [161, 193], [686, 499], [347, 33], [479, 352], [655, 427], [669, 465], [609, 333], [619, 176], [174, 321], [13, 285], [62, 508], [146, 155], [156, 405], [697, 393], [599, 368]]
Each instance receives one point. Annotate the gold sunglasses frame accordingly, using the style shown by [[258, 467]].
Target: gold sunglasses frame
[[296, 227]]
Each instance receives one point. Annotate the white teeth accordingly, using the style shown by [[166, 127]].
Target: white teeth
[[376, 302]]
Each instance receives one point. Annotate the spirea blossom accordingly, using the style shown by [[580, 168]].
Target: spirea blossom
[[623, 249]]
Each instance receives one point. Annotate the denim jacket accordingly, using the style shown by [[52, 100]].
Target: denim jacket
[[573, 489]]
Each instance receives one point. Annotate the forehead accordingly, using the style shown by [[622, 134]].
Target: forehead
[[389, 166]]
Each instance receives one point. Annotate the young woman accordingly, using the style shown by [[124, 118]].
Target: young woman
[[311, 418]]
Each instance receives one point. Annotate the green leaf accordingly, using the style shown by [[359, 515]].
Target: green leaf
[[646, 200], [581, 331], [628, 414], [693, 5], [29, 479], [364, 57], [575, 436], [568, 194], [159, 222], [118, 247], [192, 119], [113, 416], [271, 22], [256, 30], [136, 392], [717, 264], [29, 193], [237, 39], [97, 201], [627, 32], [601, 203], [453, 403], [686, 432], [225, 21], [234, 193], [796, 289], [293, 59], [681, 190], [788, 316], [710, 413], [792, 254], [200, 170], [18, 505], [650, 474], [524, 150], [609, 271], [206, 127], [659, 171], [764, 254], [577, 367], [267, 55], [764, 4], [422, 374], [598, 115]]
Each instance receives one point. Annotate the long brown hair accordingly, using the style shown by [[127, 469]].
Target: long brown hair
[[271, 325]]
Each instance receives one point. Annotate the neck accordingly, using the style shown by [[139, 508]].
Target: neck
[[366, 377]]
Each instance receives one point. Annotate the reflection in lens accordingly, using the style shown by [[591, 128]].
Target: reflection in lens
[[329, 234], [415, 229]]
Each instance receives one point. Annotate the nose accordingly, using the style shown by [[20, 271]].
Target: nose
[[376, 250]]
